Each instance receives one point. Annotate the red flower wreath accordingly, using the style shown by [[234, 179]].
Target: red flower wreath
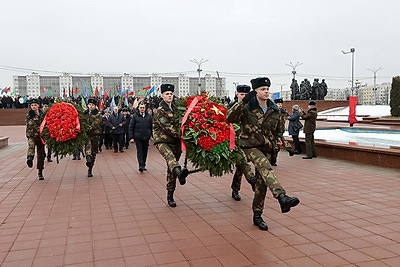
[[62, 121]]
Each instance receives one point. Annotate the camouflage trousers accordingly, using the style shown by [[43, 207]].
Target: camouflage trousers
[[242, 168], [37, 142], [171, 154], [265, 178], [92, 147]]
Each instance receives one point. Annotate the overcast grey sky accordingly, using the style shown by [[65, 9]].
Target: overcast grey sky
[[236, 37]]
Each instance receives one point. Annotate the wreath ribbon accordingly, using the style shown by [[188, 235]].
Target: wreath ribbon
[[185, 117]]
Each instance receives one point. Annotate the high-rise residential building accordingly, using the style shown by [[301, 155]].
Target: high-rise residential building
[[34, 85]]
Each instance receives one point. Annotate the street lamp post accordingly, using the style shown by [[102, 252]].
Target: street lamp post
[[352, 50], [294, 66], [198, 63], [281, 85], [375, 71]]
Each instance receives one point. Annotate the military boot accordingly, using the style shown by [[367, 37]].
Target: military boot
[[258, 221], [273, 161], [40, 174], [291, 152], [89, 161], [287, 202], [182, 174], [235, 195], [29, 161], [89, 173], [252, 181], [170, 198]]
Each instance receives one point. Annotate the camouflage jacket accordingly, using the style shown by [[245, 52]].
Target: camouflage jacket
[[164, 129], [257, 129], [33, 122], [94, 122]]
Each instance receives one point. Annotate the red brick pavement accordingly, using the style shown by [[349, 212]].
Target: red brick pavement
[[349, 215]]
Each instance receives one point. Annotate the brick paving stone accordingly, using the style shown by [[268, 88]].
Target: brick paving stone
[[348, 215]]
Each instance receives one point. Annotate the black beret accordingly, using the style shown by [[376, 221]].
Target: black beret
[[167, 87], [312, 103], [278, 100], [258, 82], [242, 88], [34, 101], [92, 100]]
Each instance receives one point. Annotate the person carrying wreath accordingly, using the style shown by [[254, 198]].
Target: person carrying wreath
[[93, 132], [167, 140], [259, 119], [33, 120]]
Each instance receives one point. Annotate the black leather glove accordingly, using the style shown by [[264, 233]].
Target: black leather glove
[[249, 96]]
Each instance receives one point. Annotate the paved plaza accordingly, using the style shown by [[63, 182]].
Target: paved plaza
[[349, 214]]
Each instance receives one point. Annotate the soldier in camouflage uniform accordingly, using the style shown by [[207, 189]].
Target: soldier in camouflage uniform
[[242, 168], [33, 120], [279, 134], [259, 118], [166, 138], [93, 132]]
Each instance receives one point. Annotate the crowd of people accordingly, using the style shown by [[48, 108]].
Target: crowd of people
[[261, 121]]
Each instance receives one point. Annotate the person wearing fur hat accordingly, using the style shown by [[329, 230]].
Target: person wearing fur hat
[[279, 134], [310, 123], [294, 128], [93, 132], [167, 140], [244, 167], [259, 119], [33, 120]]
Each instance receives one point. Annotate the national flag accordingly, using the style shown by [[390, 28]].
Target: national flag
[[151, 91], [352, 110], [126, 101], [113, 103], [5, 90], [101, 104], [96, 92], [132, 93], [83, 103], [91, 90]]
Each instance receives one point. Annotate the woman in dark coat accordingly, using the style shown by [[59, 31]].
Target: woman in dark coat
[[140, 130], [294, 128]]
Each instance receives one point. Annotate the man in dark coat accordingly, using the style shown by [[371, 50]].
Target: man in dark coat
[[140, 129], [310, 123], [33, 120], [127, 118], [116, 122], [105, 131]]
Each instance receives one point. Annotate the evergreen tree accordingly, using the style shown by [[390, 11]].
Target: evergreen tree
[[395, 97]]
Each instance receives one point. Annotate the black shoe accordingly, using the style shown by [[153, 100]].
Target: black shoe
[[40, 174], [274, 164], [252, 182], [89, 173], [297, 152], [182, 174], [29, 161], [121, 151], [170, 199], [287, 202], [291, 152], [89, 161], [115, 151], [235, 195], [144, 169], [78, 158], [126, 147], [314, 156], [306, 157], [100, 150], [258, 221], [141, 169], [49, 160]]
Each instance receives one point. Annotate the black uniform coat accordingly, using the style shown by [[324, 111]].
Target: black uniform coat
[[140, 128]]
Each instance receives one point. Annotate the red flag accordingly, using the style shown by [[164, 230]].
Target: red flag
[[96, 91], [147, 88], [8, 89], [352, 109], [132, 93]]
